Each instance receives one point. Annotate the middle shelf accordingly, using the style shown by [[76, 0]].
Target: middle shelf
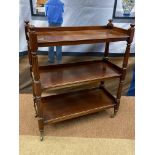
[[53, 76]]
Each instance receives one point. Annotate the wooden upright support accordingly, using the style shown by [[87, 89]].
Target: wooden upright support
[[124, 67], [106, 52], [27, 39], [36, 79], [30, 62]]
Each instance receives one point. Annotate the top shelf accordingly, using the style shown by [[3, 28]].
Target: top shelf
[[79, 35], [61, 36]]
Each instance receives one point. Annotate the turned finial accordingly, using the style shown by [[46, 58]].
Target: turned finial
[[132, 25], [110, 24], [26, 22], [131, 32]]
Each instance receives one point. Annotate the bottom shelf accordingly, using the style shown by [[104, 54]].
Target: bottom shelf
[[70, 105]]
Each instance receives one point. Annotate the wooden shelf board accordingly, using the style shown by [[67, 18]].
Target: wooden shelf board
[[79, 36], [70, 105], [76, 73]]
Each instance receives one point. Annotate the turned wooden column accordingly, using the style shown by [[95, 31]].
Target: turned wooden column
[[28, 48], [30, 62], [36, 77], [106, 52], [124, 67]]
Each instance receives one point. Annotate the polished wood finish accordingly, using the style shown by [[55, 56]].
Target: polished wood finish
[[60, 107], [131, 31], [75, 37], [30, 62], [73, 73], [70, 105]]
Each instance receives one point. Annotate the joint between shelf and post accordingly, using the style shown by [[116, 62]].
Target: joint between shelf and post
[[117, 100], [38, 97], [124, 69], [107, 58], [34, 53], [40, 118], [36, 82], [34, 97]]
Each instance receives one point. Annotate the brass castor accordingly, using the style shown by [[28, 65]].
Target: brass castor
[[41, 136], [114, 114]]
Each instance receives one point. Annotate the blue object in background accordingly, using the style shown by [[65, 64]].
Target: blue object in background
[[58, 51], [131, 91], [54, 11]]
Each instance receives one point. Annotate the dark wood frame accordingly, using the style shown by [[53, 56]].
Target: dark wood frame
[[114, 12], [32, 12], [43, 105]]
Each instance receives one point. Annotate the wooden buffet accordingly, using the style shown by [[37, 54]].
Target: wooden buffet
[[55, 108]]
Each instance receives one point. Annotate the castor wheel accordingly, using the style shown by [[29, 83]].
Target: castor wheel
[[114, 114], [41, 136]]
